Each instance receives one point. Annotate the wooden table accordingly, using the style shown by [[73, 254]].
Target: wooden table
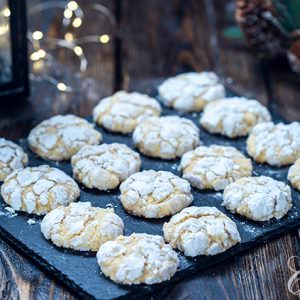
[[157, 39]]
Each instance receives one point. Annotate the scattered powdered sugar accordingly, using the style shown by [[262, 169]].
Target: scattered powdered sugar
[[31, 221], [122, 111]]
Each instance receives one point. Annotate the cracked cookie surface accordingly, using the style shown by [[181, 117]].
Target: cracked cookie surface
[[258, 198], [38, 190], [138, 258], [201, 231], [294, 175], [233, 117], [214, 167], [123, 111], [12, 157], [155, 194], [277, 145], [166, 137], [105, 166], [191, 91], [60, 137], [82, 227]]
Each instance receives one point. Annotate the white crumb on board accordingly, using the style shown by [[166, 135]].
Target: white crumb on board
[[31, 221]]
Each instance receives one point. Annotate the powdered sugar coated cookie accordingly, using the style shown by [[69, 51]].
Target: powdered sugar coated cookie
[[38, 190], [155, 194], [80, 226], [60, 137], [138, 258], [191, 91], [12, 157], [201, 231]]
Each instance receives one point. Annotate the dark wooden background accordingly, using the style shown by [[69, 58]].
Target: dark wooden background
[[157, 39]]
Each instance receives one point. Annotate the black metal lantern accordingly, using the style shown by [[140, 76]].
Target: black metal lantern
[[13, 49]]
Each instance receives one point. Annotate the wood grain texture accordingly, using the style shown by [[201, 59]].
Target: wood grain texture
[[159, 39]]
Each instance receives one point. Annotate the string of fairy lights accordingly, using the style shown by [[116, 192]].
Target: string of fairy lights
[[73, 17]]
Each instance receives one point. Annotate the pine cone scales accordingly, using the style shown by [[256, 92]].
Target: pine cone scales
[[257, 18]]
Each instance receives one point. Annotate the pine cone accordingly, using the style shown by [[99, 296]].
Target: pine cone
[[293, 52], [257, 19]]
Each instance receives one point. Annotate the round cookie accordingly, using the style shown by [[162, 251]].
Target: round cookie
[[155, 194], [294, 175], [201, 231], [12, 157], [233, 117], [123, 111], [258, 198], [104, 166], [277, 145], [60, 137], [191, 91], [166, 137], [138, 258], [38, 190], [82, 227], [214, 167]]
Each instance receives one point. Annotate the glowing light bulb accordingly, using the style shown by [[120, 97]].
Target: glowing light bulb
[[104, 38], [69, 37], [68, 13], [78, 50], [41, 53], [61, 87], [72, 5], [37, 35], [6, 12], [77, 22], [35, 56]]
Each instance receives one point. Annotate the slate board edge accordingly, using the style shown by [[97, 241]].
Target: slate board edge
[[72, 286]]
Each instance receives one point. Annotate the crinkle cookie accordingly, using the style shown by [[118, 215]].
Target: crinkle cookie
[[82, 227], [12, 157], [258, 198], [294, 175], [104, 166], [38, 190], [233, 117], [60, 137], [138, 258], [277, 145], [191, 91], [122, 111], [214, 167], [166, 137], [201, 231], [155, 194]]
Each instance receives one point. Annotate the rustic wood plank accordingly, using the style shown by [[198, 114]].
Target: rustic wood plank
[[20, 279], [159, 42]]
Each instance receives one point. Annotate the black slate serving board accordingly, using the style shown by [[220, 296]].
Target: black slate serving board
[[80, 272]]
